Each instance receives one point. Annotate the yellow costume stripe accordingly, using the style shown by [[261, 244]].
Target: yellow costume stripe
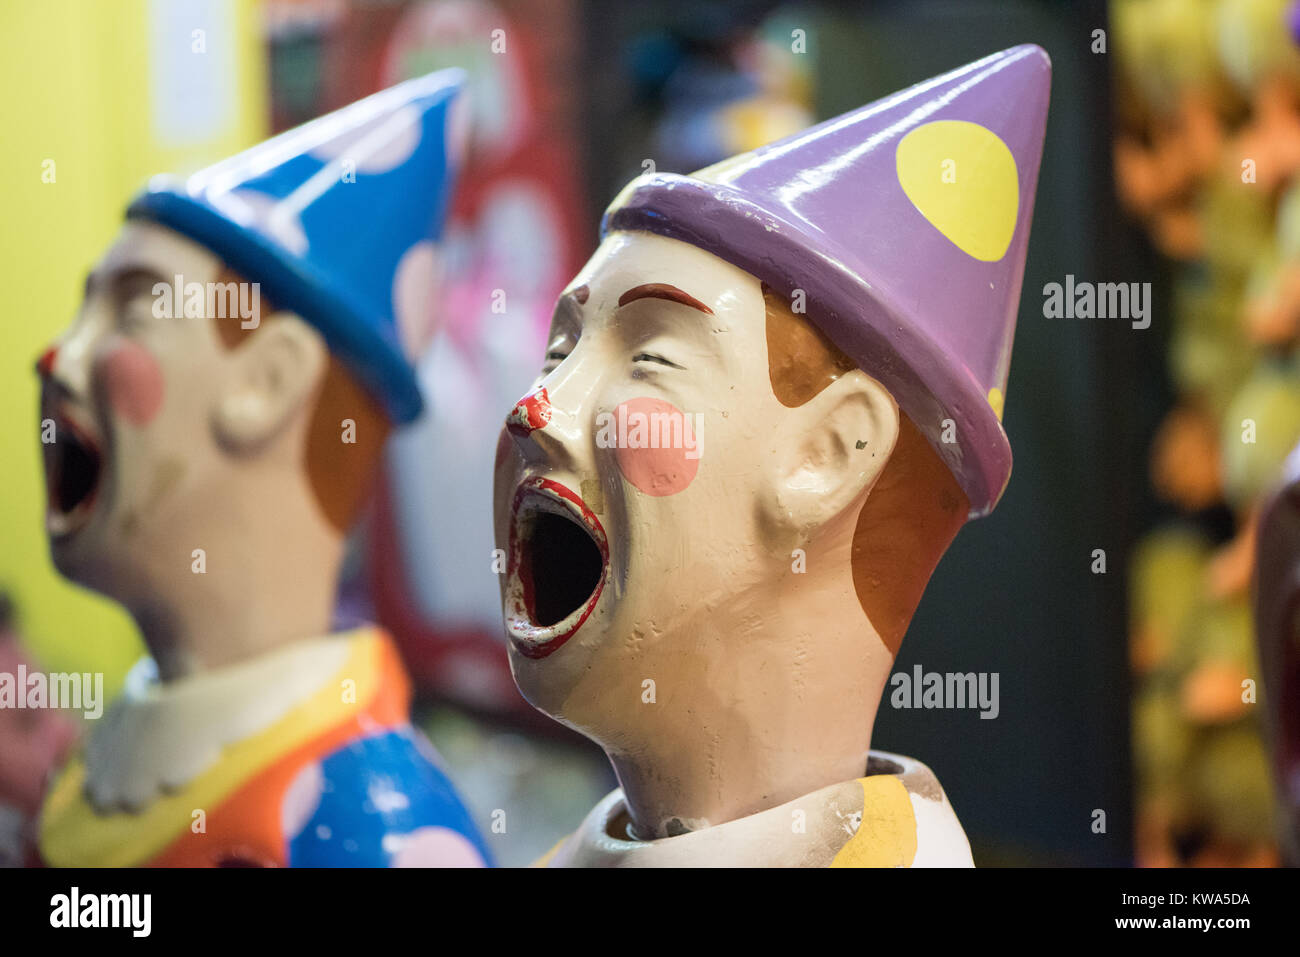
[[545, 859], [887, 835]]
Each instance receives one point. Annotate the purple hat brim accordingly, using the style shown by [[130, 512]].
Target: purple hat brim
[[929, 383]]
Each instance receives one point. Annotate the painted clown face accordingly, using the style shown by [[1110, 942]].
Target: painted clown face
[[129, 393], [650, 487]]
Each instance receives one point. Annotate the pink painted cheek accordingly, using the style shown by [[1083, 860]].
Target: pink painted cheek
[[665, 470], [134, 383]]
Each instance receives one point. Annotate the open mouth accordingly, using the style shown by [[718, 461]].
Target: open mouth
[[74, 464], [558, 564]]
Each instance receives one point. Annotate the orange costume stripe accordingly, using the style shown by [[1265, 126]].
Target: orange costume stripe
[[243, 826], [247, 826]]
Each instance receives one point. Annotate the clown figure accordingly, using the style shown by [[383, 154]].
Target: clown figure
[[219, 408], [770, 401]]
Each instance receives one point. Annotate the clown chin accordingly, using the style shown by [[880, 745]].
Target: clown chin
[[557, 568]]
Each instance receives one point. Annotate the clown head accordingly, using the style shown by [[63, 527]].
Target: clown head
[[770, 400], [214, 414]]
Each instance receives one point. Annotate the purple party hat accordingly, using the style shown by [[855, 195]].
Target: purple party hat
[[904, 224]]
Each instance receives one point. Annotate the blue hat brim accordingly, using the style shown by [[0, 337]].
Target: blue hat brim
[[291, 283]]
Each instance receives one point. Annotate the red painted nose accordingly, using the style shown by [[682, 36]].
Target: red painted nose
[[45, 364], [531, 413]]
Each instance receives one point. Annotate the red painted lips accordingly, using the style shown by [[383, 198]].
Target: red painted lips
[[558, 564], [74, 468]]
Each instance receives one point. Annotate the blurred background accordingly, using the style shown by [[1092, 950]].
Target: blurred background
[[1121, 677]]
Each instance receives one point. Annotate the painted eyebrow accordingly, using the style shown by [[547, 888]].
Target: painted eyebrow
[[662, 290], [122, 278]]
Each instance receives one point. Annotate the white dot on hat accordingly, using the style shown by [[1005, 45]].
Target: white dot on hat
[[377, 145], [415, 287]]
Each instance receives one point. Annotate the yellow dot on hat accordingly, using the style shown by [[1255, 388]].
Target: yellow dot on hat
[[962, 178], [995, 401]]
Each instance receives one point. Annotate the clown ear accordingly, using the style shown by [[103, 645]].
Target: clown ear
[[837, 446], [275, 373]]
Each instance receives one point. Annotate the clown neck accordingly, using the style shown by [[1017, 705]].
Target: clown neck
[[788, 710], [265, 589]]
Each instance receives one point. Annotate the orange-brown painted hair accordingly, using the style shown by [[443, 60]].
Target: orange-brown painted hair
[[341, 474], [916, 507]]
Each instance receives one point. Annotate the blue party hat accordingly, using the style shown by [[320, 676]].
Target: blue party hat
[[338, 220]]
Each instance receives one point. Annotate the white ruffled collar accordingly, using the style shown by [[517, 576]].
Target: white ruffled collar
[[831, 816], [158, 737]]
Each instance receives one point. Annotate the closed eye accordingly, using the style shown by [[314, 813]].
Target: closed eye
[[553, 359], [651, 357], [135, 314]]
